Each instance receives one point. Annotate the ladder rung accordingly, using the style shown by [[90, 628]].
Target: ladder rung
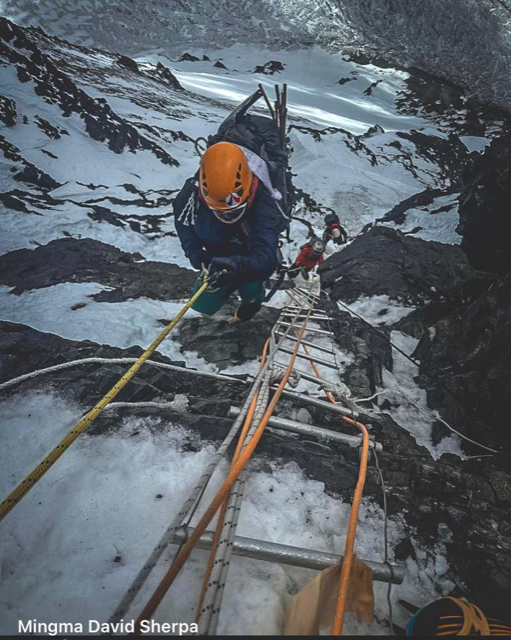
[[317, 432], [321, 404], [305, 356], [309, 344], [293, 556], [292, 307], [303, 374], [302, 316], [313, 329]]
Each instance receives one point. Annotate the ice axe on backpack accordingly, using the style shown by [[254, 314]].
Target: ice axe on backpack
[[234, 117]]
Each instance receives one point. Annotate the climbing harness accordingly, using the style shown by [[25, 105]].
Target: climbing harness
[[34, 476]]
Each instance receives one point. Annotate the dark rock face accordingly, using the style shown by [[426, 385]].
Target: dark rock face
[[8, 111], [226, 343], [23, 350], [463, 323], [373, 85], [87, 260], [188, 57], [469, 349], [269, 68], [165, 74], [446, 103], [386, 262], [370, 350], [343, 81], [485, 212], [128, 63]]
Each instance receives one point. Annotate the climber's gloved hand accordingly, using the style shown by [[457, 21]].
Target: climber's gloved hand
[[224, 271], [199, 258]]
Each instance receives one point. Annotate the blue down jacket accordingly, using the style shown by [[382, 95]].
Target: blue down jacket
[[252, 242]]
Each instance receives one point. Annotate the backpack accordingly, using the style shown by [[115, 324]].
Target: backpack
[[261, 135]]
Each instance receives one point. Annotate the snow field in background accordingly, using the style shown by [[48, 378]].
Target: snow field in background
[[439, 227], [95, 518]]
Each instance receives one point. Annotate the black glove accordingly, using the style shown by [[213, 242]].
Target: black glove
[[218, 266], [199, 258]]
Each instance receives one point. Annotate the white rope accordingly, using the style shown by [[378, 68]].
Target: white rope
[[73, 363], [156, 405]]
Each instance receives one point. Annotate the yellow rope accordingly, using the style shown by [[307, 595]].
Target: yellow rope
[[25, 485]]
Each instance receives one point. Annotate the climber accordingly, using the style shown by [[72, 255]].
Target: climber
[[228, 222], [310, 256], [312, 253]]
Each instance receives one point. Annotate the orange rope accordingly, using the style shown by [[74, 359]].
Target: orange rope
[[352, 525], [224, 490], [221, 516]]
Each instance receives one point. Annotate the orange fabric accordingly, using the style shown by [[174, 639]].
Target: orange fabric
[[312, 609], [224, 176]]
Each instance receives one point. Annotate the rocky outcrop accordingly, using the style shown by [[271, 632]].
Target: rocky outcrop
[[188, 57], [87, 260], [55, 87], [234, 342], [8, 111], [269, 68], [469, 351], [24, 171], [386, 262], [463, 323], [165, 75], [127, 63], [485, 220]]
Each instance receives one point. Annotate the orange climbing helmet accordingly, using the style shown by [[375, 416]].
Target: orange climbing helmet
[[225, 180]]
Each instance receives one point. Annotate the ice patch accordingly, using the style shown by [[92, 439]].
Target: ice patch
[[379, 310], [475, 143]]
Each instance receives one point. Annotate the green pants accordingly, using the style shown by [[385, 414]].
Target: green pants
[[213, 299]]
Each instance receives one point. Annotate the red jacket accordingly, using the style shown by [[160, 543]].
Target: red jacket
[[308, 258]]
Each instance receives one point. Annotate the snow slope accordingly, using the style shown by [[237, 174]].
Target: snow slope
[[473, 36]]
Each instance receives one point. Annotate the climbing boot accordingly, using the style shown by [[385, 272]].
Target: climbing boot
[[246, 311]]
